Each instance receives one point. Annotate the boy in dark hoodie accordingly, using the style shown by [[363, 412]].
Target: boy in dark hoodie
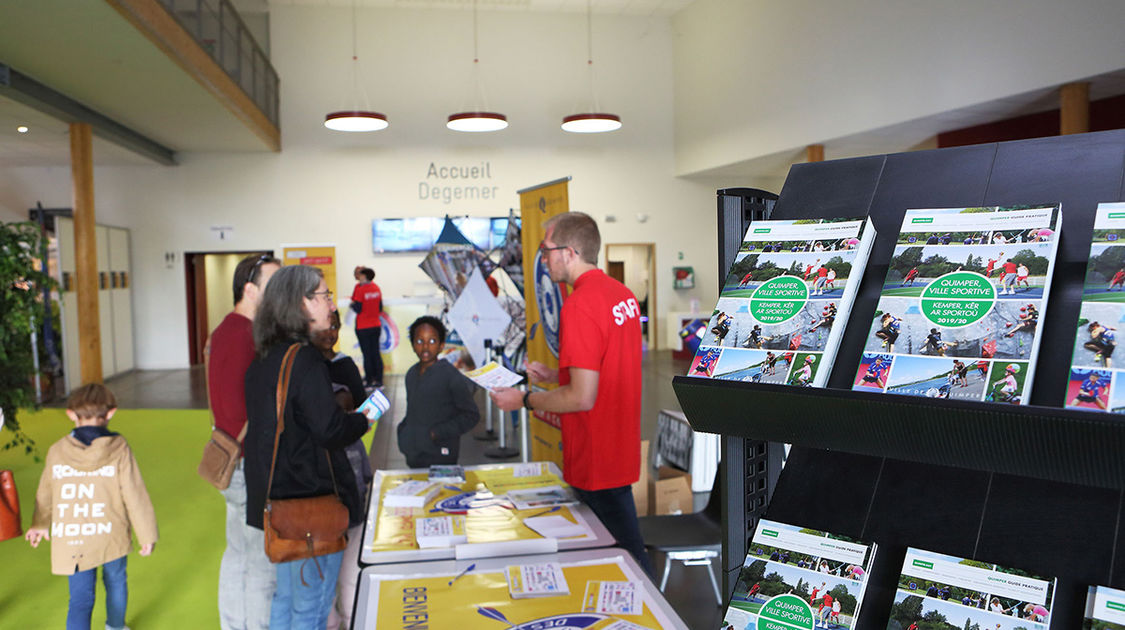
[[91, 498]]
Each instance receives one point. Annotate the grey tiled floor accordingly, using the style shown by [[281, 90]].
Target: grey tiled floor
[[688, 590]]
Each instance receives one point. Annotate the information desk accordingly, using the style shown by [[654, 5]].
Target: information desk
[[389, 532], [420, 595]]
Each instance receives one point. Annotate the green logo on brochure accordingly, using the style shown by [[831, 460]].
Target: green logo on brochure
[[1115, 606], [785, 612], [1117, 215], [770, 532], [958, 299], [778, 299], [922, 220], [761, 230], [923, 564]]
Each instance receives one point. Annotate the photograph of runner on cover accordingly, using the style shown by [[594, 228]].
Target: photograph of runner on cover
[[872, 372], [936, 378], [704, 363], [1006, 332], [1096, 335], [733, 326], [755, 366], [1005, 383], [1015, 272], [1089, 389], [914, 612], [824, 274], [1105, 273]]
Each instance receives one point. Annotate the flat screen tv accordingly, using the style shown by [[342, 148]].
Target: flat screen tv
[[418, 234]]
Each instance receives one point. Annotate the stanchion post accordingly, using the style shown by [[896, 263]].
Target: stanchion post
[[502, 450]]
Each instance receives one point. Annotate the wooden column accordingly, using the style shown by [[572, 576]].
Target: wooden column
[[85, 253], [1074, 108], [815, 152]]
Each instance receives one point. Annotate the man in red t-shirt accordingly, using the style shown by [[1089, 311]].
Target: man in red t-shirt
[[599, 376], [246, 576], [367, 300]]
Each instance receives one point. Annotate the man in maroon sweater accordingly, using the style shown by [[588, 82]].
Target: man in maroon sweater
[[246, 577]]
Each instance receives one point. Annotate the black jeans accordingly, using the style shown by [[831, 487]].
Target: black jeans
[[616, 510], [372, 359]]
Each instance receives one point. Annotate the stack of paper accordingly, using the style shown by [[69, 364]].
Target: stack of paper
[[536, 580], [554, 526], [613, 598], [450, 473], [414, 493], [544, 496], [440, 531]]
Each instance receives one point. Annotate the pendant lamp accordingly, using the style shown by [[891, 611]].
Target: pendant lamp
[[358, 118], [593, 120], [477, 118]]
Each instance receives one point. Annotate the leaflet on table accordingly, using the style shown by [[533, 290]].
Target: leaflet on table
[[1105, 609], [959, 312], [413, 494], [969, 593], [1094, 382], [544, 497], [440, 531], [492, 375], [536, 580], [447, 473], [794, 575], [782, 312], [613, 598]]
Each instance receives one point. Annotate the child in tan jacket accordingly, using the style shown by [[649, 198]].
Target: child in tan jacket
[[91, 499]]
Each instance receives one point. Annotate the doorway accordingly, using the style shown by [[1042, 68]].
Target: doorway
[[209, 280], [634, 265]]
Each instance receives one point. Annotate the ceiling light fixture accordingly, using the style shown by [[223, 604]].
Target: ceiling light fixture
[[22, 129], [591, 121], [477, 118], [357, 118]]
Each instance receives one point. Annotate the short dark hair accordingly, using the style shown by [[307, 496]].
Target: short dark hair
[[248, 271], [368, 272], [282, 316], [578, 231], [431, 321], [92, 400]]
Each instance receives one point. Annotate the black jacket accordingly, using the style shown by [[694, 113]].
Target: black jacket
[[316, 432], [440, 404]]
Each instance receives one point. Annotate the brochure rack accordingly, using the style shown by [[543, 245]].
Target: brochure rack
[[1033, 486]]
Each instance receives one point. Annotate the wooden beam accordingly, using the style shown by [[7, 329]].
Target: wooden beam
[[85, 253], [1074, 108], [153, 20], [815, 152]]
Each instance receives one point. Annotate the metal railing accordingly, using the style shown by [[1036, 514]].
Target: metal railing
[[220, 31]]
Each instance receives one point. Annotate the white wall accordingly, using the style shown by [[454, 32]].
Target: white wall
[[326, 187], [758, 77]]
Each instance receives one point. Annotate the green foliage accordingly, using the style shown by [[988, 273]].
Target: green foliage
[[21, 285]]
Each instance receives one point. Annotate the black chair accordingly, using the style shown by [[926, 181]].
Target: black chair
[[693, 539]]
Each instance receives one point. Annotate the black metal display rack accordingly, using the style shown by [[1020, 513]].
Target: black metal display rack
[[1033, 486]]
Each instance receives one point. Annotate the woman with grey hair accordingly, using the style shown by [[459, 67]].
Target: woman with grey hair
[[311, 461]]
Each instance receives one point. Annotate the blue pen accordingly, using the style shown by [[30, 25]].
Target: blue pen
[[554, 509], [467, 569]]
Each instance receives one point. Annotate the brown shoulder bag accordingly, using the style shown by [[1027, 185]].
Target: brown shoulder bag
[[307, 527], [220, 457]]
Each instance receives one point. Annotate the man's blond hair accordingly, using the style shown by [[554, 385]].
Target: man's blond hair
[[578, 231]]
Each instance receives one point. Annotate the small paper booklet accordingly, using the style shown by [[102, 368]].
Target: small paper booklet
[[440, 531], [1095, 382], [1105, 609], [613, 598], [536, 580], [959, 316], [447, 473], [374, 406], [782, 311], [414, 493], [554, 526], [541, 497], [969, 593], [795, 577], [492, 375]]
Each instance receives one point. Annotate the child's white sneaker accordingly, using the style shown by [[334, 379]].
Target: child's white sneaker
[[109, 627]]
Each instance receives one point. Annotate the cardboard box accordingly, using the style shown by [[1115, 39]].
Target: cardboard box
[[670, 492], [640, 489]]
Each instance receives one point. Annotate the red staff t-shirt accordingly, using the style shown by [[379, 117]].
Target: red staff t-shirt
[[600, 330], [368, 294], [232, 350]]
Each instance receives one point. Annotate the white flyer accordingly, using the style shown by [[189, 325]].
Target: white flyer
[[493, 375]]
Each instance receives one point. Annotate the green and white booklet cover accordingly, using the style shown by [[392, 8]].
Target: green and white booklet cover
[[940, 591], [1095, 381], [1105, 609], [959, 313], [799, 578], [786, 300]]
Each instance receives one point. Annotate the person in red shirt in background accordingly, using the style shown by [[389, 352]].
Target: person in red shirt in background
[[246, 576], [599, 376], [367, 300]]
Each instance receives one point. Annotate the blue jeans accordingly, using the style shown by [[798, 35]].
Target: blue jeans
[[82, 591], [614, 507], [246, 575], [372, 359], [305, 606]]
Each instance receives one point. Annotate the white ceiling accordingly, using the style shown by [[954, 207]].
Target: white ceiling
[[610, 7]]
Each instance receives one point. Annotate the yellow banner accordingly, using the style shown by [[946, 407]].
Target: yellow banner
[[544, 303], [321, 256]]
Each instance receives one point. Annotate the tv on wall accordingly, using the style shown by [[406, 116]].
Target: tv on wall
[[418, 234]]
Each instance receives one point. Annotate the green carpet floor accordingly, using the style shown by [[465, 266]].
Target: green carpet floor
[[175, 587]]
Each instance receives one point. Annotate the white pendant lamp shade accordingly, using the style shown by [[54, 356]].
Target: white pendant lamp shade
[[355, 121], [591, 123], [477, 121]]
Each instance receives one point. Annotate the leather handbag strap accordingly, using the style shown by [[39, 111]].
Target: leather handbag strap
[[242, 433], [282, 392]]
